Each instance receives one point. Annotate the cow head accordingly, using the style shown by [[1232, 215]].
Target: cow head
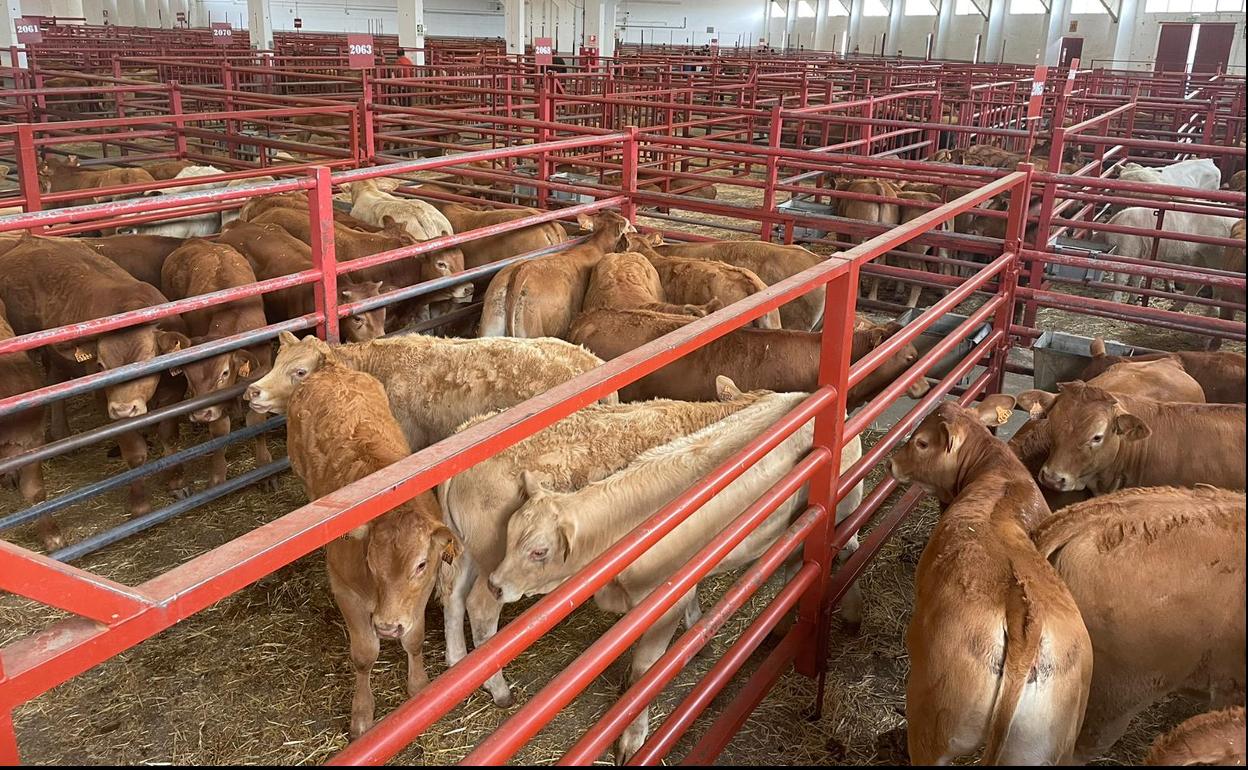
[[214, 373], [296, 359], [404, 550], [366, 326], [869, 338], [540, 536], [932, 457], [1087, 428], [608, 228], [125, 346], [643, 243]]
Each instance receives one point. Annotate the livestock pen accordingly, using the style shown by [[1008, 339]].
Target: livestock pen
[[138, 594]]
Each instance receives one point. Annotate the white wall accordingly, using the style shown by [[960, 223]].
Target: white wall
[[64, 8], [466, 18]]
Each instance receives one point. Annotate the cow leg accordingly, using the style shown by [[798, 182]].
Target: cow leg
[[134, 451], [649, 648], [413, 642], [1190, 290], [59, 423], [454, 608], [30, 484], [365, 646], [916, 289], [483, 612], [1111, 707], [260, 447], [851, 603], [218, 428], [167, 432]]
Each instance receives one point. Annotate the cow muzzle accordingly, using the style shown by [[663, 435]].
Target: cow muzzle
[[462, 293], [1060, 482], [211, 414], [388, 630], [121, 410]]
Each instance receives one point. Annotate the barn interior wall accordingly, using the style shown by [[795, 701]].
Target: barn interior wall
[[732, 22]]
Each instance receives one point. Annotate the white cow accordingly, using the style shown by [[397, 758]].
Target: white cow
[[197, 226], [1199, 173], [372, 205], [1169, 250]]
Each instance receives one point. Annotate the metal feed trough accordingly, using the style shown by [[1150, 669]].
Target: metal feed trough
[[1083, 248], [937, 332], [804, 205], [1061, 357]]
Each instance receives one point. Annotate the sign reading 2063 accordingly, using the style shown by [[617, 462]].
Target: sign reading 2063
[[360, 55], [28, 30]]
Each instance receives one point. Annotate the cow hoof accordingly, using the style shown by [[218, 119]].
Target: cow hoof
[[270, 484], [851, 627], [181, 490], [140, 509], [53, 542], [505, 701]]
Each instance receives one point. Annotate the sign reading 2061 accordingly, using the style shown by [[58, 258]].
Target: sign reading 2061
[[360, 54], [28, 30]]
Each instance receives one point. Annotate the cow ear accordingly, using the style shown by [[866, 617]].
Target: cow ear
[[995, 410], [387, 222], [371, 288], [4, 170], [71, 160], [534, 483], [726, 389], [585, 222], [566, 528], [1130, 427], [1097, 348], [445, 545], [245, 362], [85, 352], [876, 335], [654, 239], [361, 532], [168, 342], [286, 338], [953, 434], [1036, 402]]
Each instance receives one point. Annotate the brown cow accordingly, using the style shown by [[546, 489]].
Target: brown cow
[[701, 281], [1233, 260], [782, 360], [493, 248], [909, 210], [56, 176], [162, 170], [626, 281], [339, 430], [57, 282], [23, 431], [1238, 181], [771, 262], [999, 655], [142, 256], [1212, 738], [273, 252], [1103, 442], [540, 297], [299, 202], [1158, 575], [1221, 374], [197, 268]]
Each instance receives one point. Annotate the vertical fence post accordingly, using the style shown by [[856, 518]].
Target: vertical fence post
[[628, 173], [324, 259], [1015, 232], [179, 125], [837, 340], [1048, 201], [546, 98], [772, 175], [28, 169], [368, 144]]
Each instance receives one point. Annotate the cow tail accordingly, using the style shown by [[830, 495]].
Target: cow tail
[[1023, 632]]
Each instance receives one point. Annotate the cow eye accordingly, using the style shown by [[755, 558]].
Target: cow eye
[[539, 554], [299, 374], [421, 567], [1097, 439], [920, 443]]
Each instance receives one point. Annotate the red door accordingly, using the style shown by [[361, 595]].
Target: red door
[[1072, 48], [1172, 47], [1213, 47]]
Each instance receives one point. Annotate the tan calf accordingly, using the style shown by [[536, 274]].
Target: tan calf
[[299, 202], [1221, 374], [627, 280], [999, 656], [373, 205], [756, 359], [700, 281], [57, 175], [493, 248], [1158, 574], [197, 268], [1103, 442], [1212, 738], [340, 430], [540, 297]]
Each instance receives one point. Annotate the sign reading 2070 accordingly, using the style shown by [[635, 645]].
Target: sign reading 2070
[[28, 30], [222, 32], [360, 54]]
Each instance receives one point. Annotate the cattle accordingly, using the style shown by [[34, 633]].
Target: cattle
[[50, 283], [1212, 738], [492, 248], [434, 383], [999, 656], [756, 359], [196, 226], [339, 430], [373, 205], [627, 280], [23, 431], [554, 534], [1158, 575], [1160, 379], [771, 262], [142, 256], [1221, 374], [163, 170], [1171, 250], [299, 202], [541, 296], [352, 244], [1197, 173], [701, 281], [57, 175], [1102, 442], [1233, 261], [1239, 181], [198, 268], [478, 502], [272, 252], [909, 208], [995, 157]]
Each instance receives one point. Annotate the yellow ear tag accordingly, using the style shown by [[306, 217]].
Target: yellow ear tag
[[82, 356], [1003, 415]]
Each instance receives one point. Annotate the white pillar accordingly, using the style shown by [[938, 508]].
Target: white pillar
[[606, 40], [790, 23], [600, 22], [513, 26], [93, 11], [855, 26], [944, 23], [126, 17], [821, 25], [260, 24], [1059, 22], [895, 12], [12, 10], [996, 32], [412, 29], [1128, 16]]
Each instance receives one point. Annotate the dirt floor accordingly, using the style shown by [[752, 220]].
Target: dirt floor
[[262, 677]]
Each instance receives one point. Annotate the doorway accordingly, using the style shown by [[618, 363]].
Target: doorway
[[1072, 48], [1194, 47]]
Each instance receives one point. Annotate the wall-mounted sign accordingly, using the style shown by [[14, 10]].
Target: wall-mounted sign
[[543, 51], [592, 42], [222, 32], [28, 30], [1074, 25], [360, 54], [298, 23], [1037, 92]]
